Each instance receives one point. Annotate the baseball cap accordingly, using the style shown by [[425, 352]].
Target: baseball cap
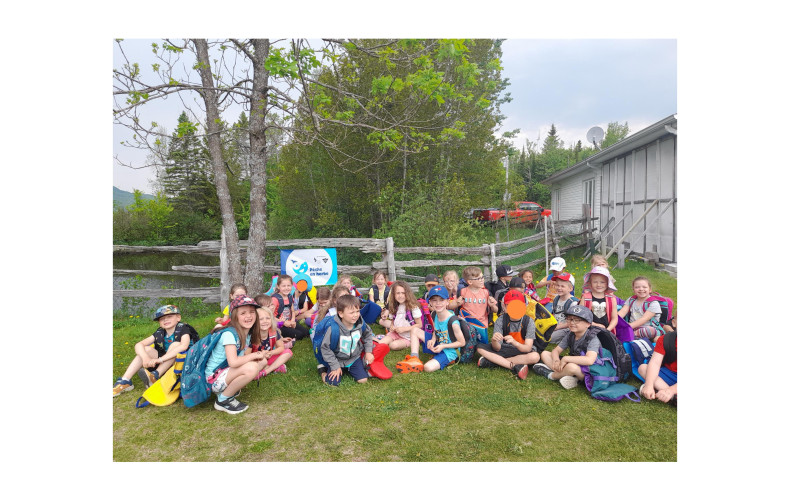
[[431, 278], [561, 276], [439, 291], [165, 310], [516, 282], [502, 271], [514, 295], [242, 300], [580, 312], [557, 264]]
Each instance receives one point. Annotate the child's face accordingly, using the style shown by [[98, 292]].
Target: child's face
[[563, 287], [285, 287], [598, 283], [642, 289], [476, 282], [346, 283], [238, 293], [439, 304], [170, 321], [400, 295], [323, 302], [380, 281], [264, 318], [506, 279], [599, 262], [527, 277], [247, 316], [349, 315], [451, 282]]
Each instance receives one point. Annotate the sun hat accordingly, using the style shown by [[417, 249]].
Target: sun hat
[[557, 264], [603, 272], [580, 312], [432, 278], [242, 300], [166, 310], [502, 271], [439, 291], [516, 282], [514, 295], [561, 277]]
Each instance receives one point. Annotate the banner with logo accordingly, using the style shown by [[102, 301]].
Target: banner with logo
[[319, 264]]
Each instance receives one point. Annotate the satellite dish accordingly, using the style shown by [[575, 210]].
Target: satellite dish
[[595, 136]]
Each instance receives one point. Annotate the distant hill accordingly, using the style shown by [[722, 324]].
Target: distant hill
[[121, 198]]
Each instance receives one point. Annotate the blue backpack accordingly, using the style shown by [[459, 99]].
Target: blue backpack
[[601, 379], [640, 351], [194, 388]]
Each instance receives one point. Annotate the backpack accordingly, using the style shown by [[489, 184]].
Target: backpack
[[427, 325], [667, 309], [280, 303], [621, 359], [601, 379], [194, 388], [166, 390], [181, 329], [545, 323], [556, 302], [376, 293], [462, 322], [640, 351]]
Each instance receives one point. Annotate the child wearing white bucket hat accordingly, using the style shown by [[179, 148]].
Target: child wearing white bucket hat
[[600, 298]]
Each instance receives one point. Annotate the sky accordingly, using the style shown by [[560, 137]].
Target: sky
[[574, 84]]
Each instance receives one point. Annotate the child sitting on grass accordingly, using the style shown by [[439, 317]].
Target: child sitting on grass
[[355, 337], [512, 343], [445, 351], [661, 372], [561, 302], [600, 298], [158, 350], [474, 309], [556, 267], [583, 338]]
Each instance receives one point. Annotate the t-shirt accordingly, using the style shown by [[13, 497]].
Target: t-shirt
[[218, 354], [660, 349], [593, 345], [513, 328], [636, 310], [559, 311], [443, 336], [475, 303], [400, 316], [598, 307]]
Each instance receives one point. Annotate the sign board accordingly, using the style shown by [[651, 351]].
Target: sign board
[[320, 264]]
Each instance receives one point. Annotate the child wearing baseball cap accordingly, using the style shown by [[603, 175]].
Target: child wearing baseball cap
[[512, 344], [158, 351], [556, 266]]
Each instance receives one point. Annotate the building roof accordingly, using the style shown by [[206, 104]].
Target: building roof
[[634, 141]]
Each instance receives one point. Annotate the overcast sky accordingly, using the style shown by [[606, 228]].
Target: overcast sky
[[574, 84]]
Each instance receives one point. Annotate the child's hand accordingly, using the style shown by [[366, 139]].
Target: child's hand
[[664, 395], [152, 363], [369, 358], [508, 339], [430, 343], [437, 348], [491, 301], [556, 367], [648, 391], [267, 354], [497, 337], [335, 374], [217, 320]]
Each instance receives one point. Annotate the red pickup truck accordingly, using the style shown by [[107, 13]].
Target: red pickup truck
[[524, 211]]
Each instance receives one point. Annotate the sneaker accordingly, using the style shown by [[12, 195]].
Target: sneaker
[[411, 364], [569, 381], [121, 386], [147, 377], [280, 369], [520, 371], [230, 405], [484, 363], [542, 369]]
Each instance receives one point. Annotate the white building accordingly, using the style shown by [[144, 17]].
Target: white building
[[620, 183]]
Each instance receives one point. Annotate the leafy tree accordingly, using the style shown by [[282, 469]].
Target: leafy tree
[[614, 133]]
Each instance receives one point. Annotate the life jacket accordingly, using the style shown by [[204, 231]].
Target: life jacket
[[281, 304], [655, 321], [611, 304], [181, 330], [375, 290]]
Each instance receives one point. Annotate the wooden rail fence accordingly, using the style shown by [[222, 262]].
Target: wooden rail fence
[[487, 256]]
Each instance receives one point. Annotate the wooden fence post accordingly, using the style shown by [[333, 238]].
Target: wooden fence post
[[493, 260], [390, 244], [224, 273]]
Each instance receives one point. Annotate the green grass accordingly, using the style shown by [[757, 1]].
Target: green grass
[[463, 413]]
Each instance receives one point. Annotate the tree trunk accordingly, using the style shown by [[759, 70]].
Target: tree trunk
[[209, 94], [259, 155]]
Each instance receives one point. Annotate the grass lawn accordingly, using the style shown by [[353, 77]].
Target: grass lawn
[[463, 413]]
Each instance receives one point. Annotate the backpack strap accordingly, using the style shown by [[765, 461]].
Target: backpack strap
[[334, 334]]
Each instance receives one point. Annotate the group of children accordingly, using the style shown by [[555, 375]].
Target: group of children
[[449, 322]]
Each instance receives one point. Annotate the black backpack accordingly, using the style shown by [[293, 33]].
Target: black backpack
[[462, 322], [611, 343]]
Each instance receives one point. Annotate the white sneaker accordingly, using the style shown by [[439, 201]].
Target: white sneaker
[[569, 381]]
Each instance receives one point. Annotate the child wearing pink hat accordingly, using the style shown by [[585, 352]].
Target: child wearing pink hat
[[600, 298]]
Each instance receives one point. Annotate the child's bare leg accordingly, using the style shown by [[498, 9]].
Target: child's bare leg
[[431, 366], [545, 358], [239, 377], [571, 369], [281, 359], [397, 345], [137, 363]]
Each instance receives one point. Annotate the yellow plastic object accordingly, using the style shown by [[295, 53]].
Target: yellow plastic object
[[543, 318], [167, 389], [313, 295]]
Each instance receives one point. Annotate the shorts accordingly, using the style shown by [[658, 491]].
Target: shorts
[[506, 351], [217, 380], [356, 370], [668, 376], [442, 358], [397, 336]]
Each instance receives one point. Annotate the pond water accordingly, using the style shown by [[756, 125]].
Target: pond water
[[157, 262]]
